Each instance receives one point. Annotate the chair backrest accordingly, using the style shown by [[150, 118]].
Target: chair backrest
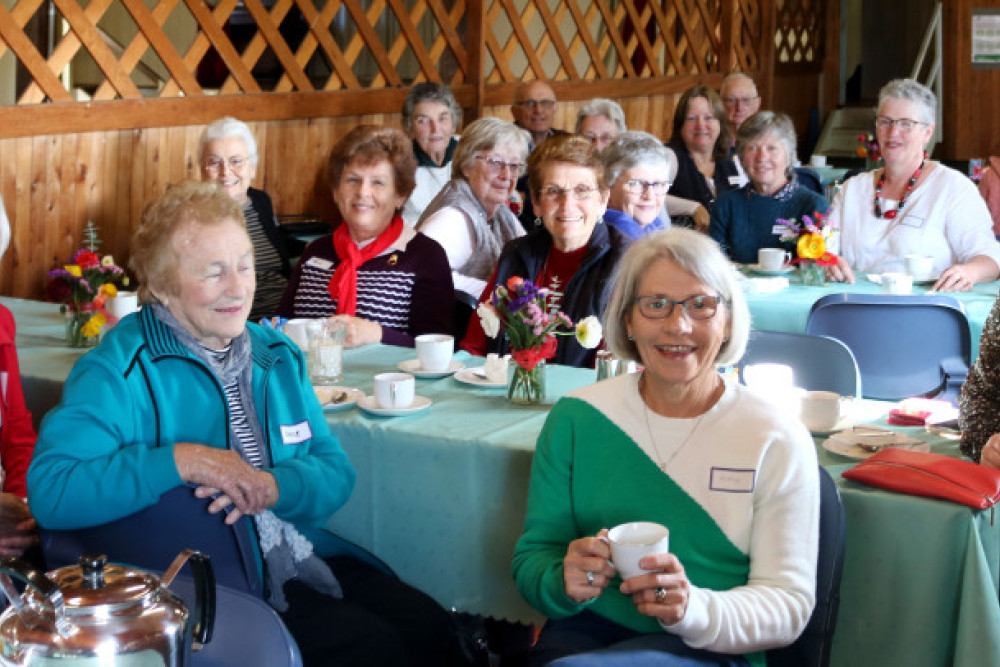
[[150, 539], [819, 362], [905, 345], [812, 648], [810, 179]]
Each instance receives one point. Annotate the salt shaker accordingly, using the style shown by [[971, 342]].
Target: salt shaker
[[607, 365]]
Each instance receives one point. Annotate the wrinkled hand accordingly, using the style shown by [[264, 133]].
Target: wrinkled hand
[[358, 331], [243, 489], [955, 278], [587, 554], [702, 219], [18, 529], [990, 456], [670, 579], [840, 272]]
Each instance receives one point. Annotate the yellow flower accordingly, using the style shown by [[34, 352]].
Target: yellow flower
[[811, 246], [109, 289], [93, 326], [74, 270]]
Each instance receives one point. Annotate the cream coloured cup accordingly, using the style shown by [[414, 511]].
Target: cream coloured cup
[[434, 351], [821, 410], [394, 390], [631, 542], [772, 259]]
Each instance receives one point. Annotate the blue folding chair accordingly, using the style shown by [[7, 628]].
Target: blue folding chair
[[819, 362], [905, 345], [812, 648]]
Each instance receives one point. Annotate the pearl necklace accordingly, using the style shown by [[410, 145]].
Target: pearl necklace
[[890, 215]]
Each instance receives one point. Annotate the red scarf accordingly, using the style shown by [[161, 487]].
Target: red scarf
[[343, 286]]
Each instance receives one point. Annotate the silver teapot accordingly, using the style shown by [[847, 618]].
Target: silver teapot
[[101, 614]]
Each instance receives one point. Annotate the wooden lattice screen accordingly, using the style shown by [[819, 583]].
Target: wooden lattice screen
[[798, 35], [145, 55]]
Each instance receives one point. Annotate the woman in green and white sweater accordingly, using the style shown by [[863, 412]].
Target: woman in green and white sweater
[[733, 477]]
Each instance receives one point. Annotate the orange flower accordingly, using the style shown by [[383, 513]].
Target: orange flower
[[811, 246], [514, 282]]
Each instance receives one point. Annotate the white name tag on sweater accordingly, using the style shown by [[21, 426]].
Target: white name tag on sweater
[[732, 480], [319, 263], [296, 433]]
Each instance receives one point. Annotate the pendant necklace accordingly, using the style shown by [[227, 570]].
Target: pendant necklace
[[656, 448], [890, 215]]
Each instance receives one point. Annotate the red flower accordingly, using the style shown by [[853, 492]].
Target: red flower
[[513, 283], [548, 348], [58, 291], [527, 359], [87, 259]]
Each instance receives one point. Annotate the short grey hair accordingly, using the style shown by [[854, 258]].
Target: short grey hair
[[737, 76], [430, 91], [226, 128], [600, 106], [769, 122], [912, 91], [696, 253], [484, 135], [637, 149]]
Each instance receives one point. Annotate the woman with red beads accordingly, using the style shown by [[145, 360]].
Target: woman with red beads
[[913, 205]]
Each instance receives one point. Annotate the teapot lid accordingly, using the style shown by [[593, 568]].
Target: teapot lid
[[94, 583]]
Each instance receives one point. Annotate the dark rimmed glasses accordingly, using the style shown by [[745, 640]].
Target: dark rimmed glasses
[[697, 307]]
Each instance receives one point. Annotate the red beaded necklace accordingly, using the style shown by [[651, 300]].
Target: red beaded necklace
[[890, 215]]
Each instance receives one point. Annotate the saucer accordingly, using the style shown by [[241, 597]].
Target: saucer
[[842, 425], [470, 376], [757, 269], [926, 281], [369, 405], [324, 393], [413, 367], [845, 443]]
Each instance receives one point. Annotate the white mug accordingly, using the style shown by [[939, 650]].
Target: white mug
[[921, 267], [821, 410], [394, 390], [817, 161], [123, 303], [434, 351], [631, 542], [897, 283], [772, 259]]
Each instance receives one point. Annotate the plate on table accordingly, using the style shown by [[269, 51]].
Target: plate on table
[[926, 281], [413, 367], [335, 399], [848, 443], [477, 377], [760, 271], [369, 405]]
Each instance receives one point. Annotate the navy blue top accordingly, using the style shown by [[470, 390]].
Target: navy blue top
[[628, 226], [743, 221]]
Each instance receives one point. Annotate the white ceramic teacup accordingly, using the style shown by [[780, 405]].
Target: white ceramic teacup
[[631, 542], [921, 267], [394, 390], [817, 161], [773, 259], [897, 283], [821, 410], [123, 303], [434, 351]]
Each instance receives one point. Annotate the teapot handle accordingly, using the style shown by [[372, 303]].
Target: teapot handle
[[37, 580], [204, 586]]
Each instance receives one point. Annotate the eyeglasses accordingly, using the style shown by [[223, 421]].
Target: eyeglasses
[[698, 307], [742, 101], [533, 104], [904, 124], [707, 118], [594, 138], [216, 163], [554, 193], [634, 186], [496, 166]]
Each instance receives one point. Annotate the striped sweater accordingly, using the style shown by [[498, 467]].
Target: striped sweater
[[407, 289]]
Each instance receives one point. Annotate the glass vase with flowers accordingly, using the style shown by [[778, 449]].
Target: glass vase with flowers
[[519, 310], [811, 235], [83, 287]]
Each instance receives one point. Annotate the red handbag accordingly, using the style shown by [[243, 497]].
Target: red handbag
[[931, 475]]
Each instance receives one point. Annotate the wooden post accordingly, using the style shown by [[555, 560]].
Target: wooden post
[[765, 46], [476, 49]]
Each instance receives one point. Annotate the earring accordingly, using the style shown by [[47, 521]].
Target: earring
[[631, 338], [538, 221]]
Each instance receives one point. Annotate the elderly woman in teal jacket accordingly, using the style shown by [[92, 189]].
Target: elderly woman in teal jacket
[[186, 392]]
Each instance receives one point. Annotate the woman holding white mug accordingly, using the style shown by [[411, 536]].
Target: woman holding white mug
[[732, 477]]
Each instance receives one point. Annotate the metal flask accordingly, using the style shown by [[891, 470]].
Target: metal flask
[[96, 614]]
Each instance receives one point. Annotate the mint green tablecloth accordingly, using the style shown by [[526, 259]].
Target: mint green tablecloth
[[788, 309], [441, 497]]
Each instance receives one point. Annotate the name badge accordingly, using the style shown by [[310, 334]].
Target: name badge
[[320, 263], [732, 480], [778, 230], [910, 220], [736, 180], [296, 433]]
